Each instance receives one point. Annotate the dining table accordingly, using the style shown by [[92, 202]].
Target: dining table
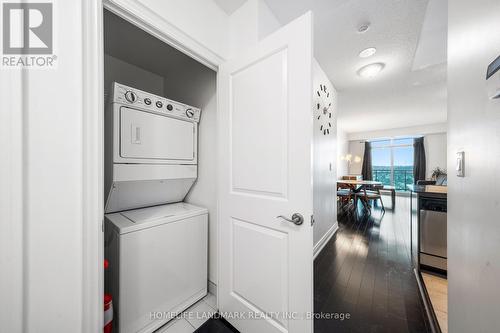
[[358, 185]]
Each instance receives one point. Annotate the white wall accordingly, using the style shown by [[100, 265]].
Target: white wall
[[324, 166], [435, 146], [399, 132], [267, 22], [210, 27], [243, 25], [356, 149], [202, 20], [249, 24], [131, 75], [342, 150], [473, 205]]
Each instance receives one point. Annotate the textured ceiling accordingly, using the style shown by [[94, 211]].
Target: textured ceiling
[[398, 96]]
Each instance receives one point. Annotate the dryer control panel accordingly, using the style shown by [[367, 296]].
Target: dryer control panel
[[153, 103]]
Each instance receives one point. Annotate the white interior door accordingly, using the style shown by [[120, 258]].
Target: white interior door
[[265, 158]]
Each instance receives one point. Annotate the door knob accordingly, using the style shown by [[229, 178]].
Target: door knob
[[296, 219]]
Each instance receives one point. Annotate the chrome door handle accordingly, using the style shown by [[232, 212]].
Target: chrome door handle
[[296, 219]]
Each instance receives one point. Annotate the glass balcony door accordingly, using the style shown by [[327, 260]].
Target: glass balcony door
[[392, 162]]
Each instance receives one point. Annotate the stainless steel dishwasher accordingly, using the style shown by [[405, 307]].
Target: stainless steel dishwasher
[[433, 233]]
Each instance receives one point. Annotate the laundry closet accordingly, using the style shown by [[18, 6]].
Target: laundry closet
[[160, 177]]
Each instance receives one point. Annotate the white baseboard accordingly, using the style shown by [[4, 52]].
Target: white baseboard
[[212, 288], [326, 237]]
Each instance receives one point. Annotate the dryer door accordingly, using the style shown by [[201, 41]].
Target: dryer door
[[154, 137]]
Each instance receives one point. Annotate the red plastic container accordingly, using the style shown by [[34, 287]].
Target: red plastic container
[[108, 307], [108, 313]]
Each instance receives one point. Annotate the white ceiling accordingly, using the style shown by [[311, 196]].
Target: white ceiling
[[432, 44], [399, 96], [229, 6]]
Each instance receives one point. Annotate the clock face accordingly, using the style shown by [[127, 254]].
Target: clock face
[[324, 110]]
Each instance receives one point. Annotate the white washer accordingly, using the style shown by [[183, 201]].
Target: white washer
[[158, 263]]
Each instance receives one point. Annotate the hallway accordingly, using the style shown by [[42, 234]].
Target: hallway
[[365, 271]]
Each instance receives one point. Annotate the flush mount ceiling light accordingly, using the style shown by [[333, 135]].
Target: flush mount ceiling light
[[367, 52], [371, 70]]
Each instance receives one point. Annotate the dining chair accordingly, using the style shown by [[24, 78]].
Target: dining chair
[[368, 195], [344, 194]]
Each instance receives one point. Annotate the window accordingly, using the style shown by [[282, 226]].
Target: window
[[392, 162]]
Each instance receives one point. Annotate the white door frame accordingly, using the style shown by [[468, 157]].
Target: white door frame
[[93, 127], [93, 167]]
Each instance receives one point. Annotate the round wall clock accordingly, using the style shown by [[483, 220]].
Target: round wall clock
[[323, 110]]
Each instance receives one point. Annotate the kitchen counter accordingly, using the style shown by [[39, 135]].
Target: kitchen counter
[[429, 190]]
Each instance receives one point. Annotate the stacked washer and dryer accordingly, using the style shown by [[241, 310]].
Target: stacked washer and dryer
[[156, 243]]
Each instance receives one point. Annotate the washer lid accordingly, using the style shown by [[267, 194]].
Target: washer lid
[[170, 211], [138, 219]]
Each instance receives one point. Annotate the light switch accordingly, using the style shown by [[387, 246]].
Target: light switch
[[460, 167]]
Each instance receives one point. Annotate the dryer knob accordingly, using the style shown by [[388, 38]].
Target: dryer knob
[[190, 113], [131, 96]]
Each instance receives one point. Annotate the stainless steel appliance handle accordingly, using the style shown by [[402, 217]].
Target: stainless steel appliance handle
[[296, 219]]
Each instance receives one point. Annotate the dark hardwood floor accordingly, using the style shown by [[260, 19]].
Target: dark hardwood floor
[[365, 271], [216, 324]]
